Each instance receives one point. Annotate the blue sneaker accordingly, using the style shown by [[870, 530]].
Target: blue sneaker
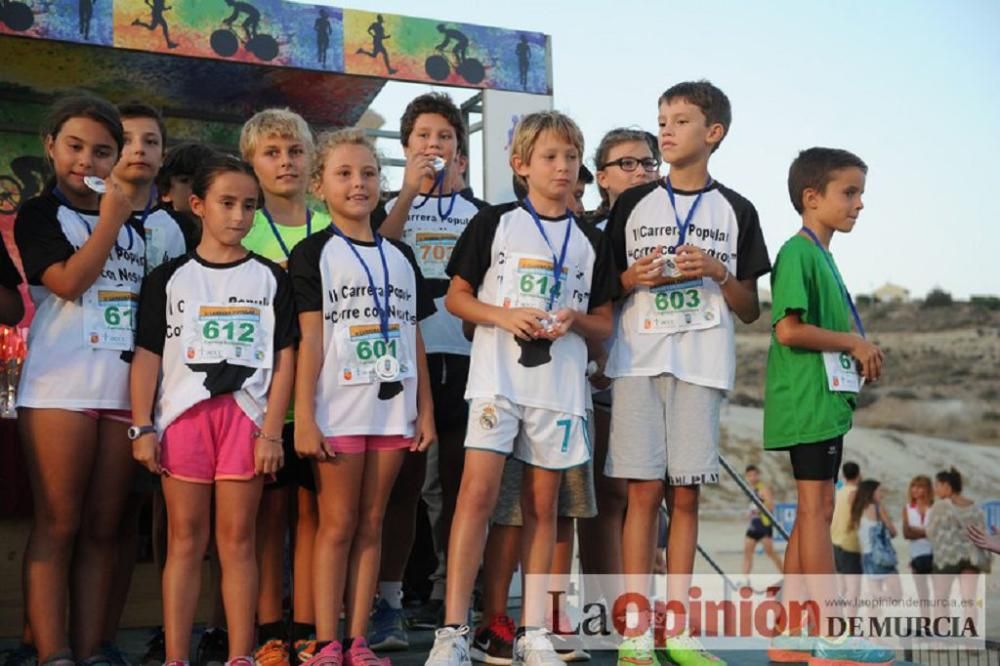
[[388, 628], [790, 648], [849, 651]]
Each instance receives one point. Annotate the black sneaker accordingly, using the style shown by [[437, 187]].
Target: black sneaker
[[114, 655], [494, 643], [428, 616], [22, 655], [156, 650], [213, 648]]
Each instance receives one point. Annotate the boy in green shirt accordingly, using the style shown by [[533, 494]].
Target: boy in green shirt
[[815, 368]]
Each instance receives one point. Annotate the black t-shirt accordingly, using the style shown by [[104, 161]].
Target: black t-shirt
[[9, 277]]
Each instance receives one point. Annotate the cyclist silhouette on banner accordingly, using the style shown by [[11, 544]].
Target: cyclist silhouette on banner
[[250, 23]]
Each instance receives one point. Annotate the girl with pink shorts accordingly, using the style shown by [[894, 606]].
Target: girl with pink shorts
[[362, 393], [219, 325]]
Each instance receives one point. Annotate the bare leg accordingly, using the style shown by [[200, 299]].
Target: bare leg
[[128, 544], [307, 521], [235, 525], [600, 550], [768, 544], [400, 528], [639, 534], [539, 499], [503, 552], [272, 525], [682, 505]]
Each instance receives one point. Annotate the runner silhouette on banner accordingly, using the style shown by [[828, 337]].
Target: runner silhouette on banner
[[377, 31], [523, 51], [156, 20], [323, 30]]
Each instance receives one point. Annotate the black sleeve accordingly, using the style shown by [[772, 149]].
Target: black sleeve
[[752, 259], [39, 237], [604, 281], [471, 198], [286, 323], [151, 325], [425, 300], [472, 255], [303, 267], [618, 218], [189, 226], [9, 277]]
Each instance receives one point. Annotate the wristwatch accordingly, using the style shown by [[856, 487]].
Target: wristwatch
[[135, 432]]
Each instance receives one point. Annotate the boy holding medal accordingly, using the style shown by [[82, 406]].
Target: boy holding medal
[[815, 368]]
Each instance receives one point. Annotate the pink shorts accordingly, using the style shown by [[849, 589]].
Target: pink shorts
[[362, 443], [212, 441], [119, 415]]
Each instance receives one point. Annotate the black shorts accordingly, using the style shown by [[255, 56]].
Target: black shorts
[[449, 375], [922, 564], [817, 461], [758, 530], [296, 472], [846, 562]]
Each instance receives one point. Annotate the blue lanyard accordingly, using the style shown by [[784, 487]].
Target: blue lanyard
[[383, 311], [128, 229], [682, 227], [148, 208], [439, 185], [557, 261], [840, 283], [277, 234]]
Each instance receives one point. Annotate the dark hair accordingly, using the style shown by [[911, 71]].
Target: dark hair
[[84, 105], [137, 109], [813, 170], [863, 496], [213, 167], [751, 468], [520, 191], [712, 102], [182, 160], [850, 470], [616, 137], [952, 477], [585, 175], [441, 104]]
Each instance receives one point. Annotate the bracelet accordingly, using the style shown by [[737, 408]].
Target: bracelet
[[725, 279], [259, 434]]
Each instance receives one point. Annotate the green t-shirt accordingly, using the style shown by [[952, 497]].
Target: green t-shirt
[[799, 407], [262, 240]]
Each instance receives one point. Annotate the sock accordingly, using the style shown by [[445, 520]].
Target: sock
[[392, 592], [271, 631], [302, 631]]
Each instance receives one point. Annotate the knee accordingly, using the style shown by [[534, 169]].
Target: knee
[[188, 540], [369, 528], [684, 501], [476, 497], [540, 510], [644, 495], [59, 530], [611, 496], [235, 542], [336, 530]]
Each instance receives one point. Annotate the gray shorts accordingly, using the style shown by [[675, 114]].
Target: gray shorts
[[576, 492], [663, 427]]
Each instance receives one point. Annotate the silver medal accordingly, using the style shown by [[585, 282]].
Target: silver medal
[[387, 368], [95, 183], [438, 163]]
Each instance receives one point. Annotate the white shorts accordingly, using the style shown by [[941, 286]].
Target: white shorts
[[540, 437], [664, 427]]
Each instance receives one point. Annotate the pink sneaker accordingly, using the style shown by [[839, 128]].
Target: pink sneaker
[[331, 655], [361, 655]]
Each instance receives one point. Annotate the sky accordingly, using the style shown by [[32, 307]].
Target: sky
[[912, 87]]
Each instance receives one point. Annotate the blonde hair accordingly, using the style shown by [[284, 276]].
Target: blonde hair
[[923, 481], [531, 126], [283, 123], [329, 141]]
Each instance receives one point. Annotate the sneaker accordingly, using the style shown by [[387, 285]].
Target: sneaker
[[637, 651], [451, 647], [114, 655], [843, 651], [361, 655], [156, 651], [272, 653], [494, 643], [568, 648], [427, 616], [22, 655], [331, 655], [534, 648], [213, 647], [790, 648], [240, 661], [305, 649], [388, 628], [686, 650]]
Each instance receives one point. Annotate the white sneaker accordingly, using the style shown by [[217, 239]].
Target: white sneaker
[[534, 648], [451, 647]]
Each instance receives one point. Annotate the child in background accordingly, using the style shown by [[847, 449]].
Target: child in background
[[218, 326], [84, 259], [363, 395]]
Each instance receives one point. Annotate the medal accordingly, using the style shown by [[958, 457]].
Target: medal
[[438, 163], [95, 183], [387, 368]]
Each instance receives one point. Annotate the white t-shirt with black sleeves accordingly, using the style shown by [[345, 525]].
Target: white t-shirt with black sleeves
[[432, 239], [685, 327], [168, 235], [328, 278], [218, 329], [75, 348], [503, 255]]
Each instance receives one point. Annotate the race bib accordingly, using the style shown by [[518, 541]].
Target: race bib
[[359, 348], [433, 250], [109, 318], [238, 333], [679, 307], [529, 283], [842, 374]]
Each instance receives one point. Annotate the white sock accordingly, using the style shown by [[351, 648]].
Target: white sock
[[392, 592]]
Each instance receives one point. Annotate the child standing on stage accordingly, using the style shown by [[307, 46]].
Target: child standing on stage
[[218, 325], [813, 380], [83, 257], [690, 251], [536, 283], [363, 396], [280, 146]]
